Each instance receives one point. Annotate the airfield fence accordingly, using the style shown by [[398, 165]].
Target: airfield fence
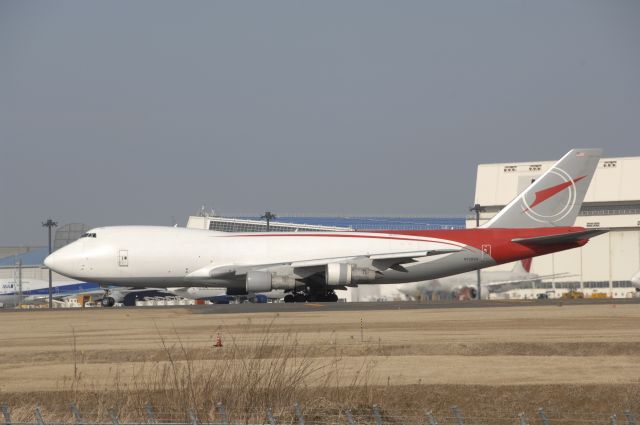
[[297, 416]]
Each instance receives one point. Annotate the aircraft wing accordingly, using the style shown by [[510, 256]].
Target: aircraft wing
[[391, 258], [304, 268]]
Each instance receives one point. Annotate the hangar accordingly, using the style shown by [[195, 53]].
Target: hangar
[[607, 263]]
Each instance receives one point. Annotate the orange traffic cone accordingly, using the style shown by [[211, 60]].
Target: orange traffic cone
[[218, 342]]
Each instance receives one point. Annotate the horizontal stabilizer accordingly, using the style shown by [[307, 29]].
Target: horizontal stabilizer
[[563, 238]]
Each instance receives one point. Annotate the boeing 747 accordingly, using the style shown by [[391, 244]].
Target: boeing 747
[[312, 265]]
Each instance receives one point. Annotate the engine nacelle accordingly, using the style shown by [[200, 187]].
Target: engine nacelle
[[340, 274], [258, 281]]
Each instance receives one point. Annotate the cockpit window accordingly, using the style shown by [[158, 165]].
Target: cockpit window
[[88, 235]]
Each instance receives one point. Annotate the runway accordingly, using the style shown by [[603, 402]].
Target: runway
[[251, 308], [391, 305]]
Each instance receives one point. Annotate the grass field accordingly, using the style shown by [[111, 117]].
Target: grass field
[[578, 359]]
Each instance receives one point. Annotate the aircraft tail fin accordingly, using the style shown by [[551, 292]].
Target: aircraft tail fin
[[555, 198]]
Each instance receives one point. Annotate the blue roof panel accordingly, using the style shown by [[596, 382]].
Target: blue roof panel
[[31, 258]]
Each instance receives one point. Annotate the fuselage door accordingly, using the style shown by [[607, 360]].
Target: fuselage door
[[123, 258]]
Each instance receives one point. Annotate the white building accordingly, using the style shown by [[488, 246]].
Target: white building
[[607, 263]]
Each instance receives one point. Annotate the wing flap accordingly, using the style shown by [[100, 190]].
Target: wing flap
[[414, 254]]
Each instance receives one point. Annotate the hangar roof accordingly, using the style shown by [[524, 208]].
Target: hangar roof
[[29, 259]]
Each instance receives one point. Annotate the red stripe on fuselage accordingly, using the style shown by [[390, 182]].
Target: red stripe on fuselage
[[502, 249]]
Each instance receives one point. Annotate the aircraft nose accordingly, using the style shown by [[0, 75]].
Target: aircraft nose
[[56, 262], [50, 261], [64, 261]]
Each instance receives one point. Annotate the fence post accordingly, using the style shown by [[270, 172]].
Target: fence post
[[522, 418], [114, 417], [458, 415], [5, 413], [349, 416], [76, 414], [296, 406], [430, 418], [39, 419], [192, 416], [614, 421], [629, 417], [152, 418], [272, 420], [376, 414], [223, 413], [543, 417]]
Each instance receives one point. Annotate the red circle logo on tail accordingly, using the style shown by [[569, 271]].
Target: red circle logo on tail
[[562, 195]]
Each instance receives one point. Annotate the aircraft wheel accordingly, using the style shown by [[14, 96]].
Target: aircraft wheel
[[108, 302], [332, 297], [288, 298], [299, 298]]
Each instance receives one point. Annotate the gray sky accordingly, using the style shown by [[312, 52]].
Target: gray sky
[[136, 112]]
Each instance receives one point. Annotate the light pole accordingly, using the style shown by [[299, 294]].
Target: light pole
[[19, 281], [50, 224], [268, 215], [477, 208]]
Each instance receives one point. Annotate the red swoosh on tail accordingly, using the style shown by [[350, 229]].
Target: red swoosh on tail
[[544, 194]]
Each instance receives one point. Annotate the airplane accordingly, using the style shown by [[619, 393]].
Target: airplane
[[464, 285], [310, 266], [35, 291]]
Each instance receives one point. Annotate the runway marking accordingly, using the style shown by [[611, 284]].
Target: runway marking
[[315, 305]]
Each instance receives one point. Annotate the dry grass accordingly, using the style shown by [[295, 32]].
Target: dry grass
[[247, 379], [565, 404], [578, 362]]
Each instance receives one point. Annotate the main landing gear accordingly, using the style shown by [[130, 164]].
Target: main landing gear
[[300, 297], [108, 302]]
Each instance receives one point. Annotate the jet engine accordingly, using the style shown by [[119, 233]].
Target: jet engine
[[258, 281], [340, 274]]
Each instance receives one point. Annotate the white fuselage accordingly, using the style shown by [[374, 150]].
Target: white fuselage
[[147, 256]]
